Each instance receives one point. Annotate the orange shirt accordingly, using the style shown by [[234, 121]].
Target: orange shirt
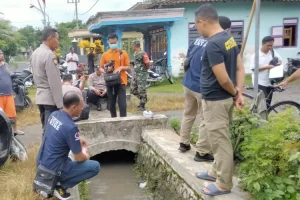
[[115, 55]]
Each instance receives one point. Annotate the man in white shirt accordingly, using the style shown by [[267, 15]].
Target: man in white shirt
[[72, 60], [265, 56]]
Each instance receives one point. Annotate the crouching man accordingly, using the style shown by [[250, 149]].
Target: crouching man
[[61, 137], [68, 87]]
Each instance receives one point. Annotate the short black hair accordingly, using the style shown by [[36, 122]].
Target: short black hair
[[71, 98], [112, 36], [138, 45], [72, 48], [67, 77], [208, 12], [47, 32], [267, 39], [224, 22]]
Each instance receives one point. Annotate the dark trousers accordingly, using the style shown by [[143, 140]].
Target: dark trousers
[[114, 93], [85, 113], [80, 171], [45, 112], [93, 98], [268, 92]]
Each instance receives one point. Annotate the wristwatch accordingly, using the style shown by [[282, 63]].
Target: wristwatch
[[236, 94]]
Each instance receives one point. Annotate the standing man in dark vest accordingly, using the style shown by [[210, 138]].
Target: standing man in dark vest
[[141, 65], [47, 76]]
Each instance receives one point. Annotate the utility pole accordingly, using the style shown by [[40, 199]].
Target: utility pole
[[76, 10], [43, 12], [257, 49]]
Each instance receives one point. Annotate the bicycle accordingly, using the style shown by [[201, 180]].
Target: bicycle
[[275, 107]]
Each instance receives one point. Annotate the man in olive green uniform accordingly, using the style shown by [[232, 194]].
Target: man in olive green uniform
[[46, 75], [141, 65]]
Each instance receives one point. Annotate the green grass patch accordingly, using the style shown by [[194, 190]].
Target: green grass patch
[[166, 87], [84, 190], [177, 87]]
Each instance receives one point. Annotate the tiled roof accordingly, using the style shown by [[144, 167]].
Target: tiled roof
[[140, 6], [172, 2]]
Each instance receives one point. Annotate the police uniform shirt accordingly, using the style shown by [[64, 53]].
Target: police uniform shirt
[[46, 76]]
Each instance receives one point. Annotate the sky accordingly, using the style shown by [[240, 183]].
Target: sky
[[19, 13]]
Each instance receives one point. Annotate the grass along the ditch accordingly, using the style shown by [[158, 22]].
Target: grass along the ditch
[[29, 116], [157, 103], [16, 178]]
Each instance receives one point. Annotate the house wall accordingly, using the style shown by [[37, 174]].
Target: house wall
[[272, 14]]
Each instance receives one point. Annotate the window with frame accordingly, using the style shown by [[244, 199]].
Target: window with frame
[[286, 35], [236, 30]]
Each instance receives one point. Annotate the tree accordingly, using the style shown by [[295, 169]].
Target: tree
[[29, 37], [7, 39], [63, 29]]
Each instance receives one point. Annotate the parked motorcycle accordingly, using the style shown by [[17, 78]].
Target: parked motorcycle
[[10, 145], [63, 70], [157, 73], [22, 100], [25, 74], [293, 65]]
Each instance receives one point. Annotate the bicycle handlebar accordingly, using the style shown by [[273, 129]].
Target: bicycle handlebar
[[274, 88]]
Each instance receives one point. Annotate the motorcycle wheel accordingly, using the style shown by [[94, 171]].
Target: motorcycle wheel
[[169, 77], [28, 102], [148, 84], [163, 76], [18, 150]]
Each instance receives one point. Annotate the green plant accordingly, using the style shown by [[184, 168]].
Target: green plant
[[241, 126], [270, 168], [194, 134], [83, 188], [175, 124]]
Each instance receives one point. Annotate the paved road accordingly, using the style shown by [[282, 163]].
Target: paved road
[[20, 67]]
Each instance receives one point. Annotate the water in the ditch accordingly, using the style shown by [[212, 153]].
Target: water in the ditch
[[117, 179]]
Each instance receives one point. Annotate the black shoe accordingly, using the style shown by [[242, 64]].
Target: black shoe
[[184, 147], [99, 106], [205, 158], [61, 193]]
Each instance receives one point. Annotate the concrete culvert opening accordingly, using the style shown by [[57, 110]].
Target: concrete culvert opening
[[117, 178]]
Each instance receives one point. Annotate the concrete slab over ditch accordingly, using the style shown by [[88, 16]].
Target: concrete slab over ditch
[[165, 143], [108, 134]]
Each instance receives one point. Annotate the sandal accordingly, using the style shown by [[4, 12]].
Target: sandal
[[214, 191], [205, 176], [18, 132]]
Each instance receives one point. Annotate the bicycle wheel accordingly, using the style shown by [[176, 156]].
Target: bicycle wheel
[[283, 105]]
